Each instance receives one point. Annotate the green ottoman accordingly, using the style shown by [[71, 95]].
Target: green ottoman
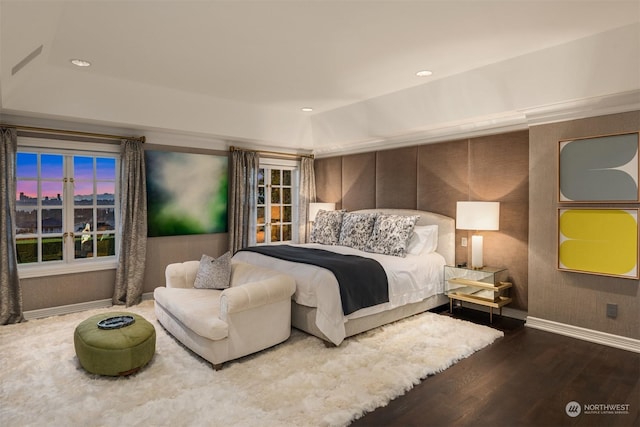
[[114, 352]]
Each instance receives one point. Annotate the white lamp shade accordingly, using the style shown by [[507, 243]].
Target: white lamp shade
[[477, 215], [314, 208]]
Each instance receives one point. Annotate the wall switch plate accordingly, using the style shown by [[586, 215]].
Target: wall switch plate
[[463, 242], [612, 310]]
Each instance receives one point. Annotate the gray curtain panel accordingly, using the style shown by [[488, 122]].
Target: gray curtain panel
[[243, 196], [307, 195], [10, 291], [133, 225]]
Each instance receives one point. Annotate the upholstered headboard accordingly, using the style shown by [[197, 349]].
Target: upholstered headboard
[[446, 229]]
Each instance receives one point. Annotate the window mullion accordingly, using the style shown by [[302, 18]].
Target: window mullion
[[39, 230], [94, 210], [67, 209], [267, 205]]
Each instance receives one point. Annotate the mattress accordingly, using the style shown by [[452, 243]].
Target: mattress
[[411, 279]]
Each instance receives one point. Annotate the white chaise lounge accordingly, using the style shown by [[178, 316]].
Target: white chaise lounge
[[254, 313]]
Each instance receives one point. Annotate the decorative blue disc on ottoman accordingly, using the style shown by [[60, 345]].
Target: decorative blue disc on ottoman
[[114, 343]]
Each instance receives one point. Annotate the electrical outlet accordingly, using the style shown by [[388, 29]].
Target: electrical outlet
[[612, 310], [463, 242]]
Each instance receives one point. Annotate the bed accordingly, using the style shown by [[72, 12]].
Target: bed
[[415, 282]]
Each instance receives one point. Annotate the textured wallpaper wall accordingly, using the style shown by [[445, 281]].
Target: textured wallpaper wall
[[433, 177], [573, 298]]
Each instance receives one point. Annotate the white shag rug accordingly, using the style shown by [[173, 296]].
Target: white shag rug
[[298, 383]]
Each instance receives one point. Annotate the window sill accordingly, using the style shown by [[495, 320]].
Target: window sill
[[26, 272]]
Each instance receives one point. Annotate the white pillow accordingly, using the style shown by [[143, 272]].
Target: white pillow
[[424, 239]]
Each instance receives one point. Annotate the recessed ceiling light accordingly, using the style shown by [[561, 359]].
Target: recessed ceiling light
[[424, 73], [307, 109], [80, 63]]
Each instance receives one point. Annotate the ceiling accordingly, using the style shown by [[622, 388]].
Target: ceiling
[[265, 56]]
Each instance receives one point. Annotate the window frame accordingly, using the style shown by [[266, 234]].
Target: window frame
[[73, 265], [280, 164]]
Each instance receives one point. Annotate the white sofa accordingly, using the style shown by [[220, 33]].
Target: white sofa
[[254, 313]]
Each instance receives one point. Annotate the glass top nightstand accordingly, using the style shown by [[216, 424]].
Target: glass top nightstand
[[483, 286]]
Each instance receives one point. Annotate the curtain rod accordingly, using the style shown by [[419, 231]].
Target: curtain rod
[[273, 153], [72, 132]]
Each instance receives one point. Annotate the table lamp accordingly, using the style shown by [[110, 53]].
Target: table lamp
[[314, 208], [477, 216]]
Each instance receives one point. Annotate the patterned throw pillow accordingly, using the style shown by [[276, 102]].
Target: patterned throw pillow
[[391, 234], [326, 228], [214, 273], [356, 229]]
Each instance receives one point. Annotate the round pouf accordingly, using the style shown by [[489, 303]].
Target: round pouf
[[114, 352]]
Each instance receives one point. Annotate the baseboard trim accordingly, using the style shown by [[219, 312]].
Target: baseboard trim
[[74, 308], [584, 334]]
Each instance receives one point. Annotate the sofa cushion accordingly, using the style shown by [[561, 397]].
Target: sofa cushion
[[197, 309], [213, 273]]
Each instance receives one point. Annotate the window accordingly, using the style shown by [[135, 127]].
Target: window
[[66, 207], [277, 203]]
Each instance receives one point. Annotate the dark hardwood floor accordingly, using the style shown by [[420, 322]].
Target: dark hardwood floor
[[526, 378]]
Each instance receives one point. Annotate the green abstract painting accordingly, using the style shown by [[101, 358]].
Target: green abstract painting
[[186, 193]]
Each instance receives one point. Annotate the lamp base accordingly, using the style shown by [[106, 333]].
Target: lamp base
[[476, 252]]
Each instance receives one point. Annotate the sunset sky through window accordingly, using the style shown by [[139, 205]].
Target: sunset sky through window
[[52, 168]]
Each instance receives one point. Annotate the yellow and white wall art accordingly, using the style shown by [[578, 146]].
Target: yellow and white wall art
[[598, 241]]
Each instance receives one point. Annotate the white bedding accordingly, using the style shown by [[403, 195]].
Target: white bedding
[[411, 279]]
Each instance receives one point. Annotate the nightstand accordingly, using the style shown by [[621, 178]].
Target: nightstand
[[483, 286]]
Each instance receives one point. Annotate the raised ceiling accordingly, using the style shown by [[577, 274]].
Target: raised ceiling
[[231, 69]]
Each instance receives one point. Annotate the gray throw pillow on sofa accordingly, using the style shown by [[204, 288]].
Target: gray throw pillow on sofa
[[214, 273]]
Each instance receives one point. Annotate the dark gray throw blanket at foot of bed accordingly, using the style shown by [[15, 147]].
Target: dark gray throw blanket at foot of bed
[[362, 281]]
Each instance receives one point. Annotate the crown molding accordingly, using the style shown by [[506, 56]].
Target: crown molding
[[494, 124], [486, 125], [583, 108], [469, 128]]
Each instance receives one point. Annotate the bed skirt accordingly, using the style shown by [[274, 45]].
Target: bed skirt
[[304, 318]]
